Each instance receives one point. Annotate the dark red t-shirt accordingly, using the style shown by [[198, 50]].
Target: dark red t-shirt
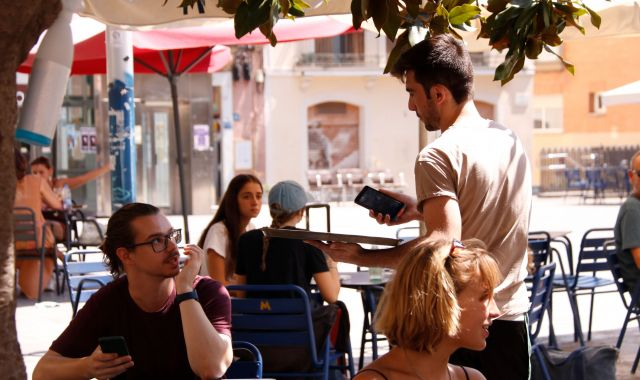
[[155, 340]]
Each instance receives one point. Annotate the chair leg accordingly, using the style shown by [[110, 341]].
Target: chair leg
[[352, 371], [374, 345], [577, 325], [325, 367], [543, 366], [552, 335], [593, 294], [40, 279], [623, 330], [363, 340], [635, 362]]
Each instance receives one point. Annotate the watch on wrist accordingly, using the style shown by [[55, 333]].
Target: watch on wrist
[[192, 295]]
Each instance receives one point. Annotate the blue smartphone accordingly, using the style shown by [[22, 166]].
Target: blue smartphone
[[110, 344]]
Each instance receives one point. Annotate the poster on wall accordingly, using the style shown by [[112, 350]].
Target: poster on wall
[[244, 153], [201, 137], [88, 142]]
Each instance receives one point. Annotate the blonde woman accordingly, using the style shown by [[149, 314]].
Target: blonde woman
[[440, 299]]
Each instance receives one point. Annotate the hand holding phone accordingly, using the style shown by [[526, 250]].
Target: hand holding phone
[[379, 202], [113, 344]]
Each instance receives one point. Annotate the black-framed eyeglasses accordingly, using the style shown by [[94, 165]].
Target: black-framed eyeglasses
[[160, 243], [455, 243]]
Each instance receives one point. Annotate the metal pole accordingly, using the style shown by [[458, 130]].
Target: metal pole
[[173, 79]]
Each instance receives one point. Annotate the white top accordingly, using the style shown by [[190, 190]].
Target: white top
[[217, 239]]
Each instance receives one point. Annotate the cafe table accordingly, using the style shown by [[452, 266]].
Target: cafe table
[[370, 291]]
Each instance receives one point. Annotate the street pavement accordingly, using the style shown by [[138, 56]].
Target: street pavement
[[40, 323]]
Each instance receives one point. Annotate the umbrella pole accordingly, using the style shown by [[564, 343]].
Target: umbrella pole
[[176, 122]]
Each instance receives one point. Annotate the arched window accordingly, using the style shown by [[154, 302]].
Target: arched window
[[333, 135]]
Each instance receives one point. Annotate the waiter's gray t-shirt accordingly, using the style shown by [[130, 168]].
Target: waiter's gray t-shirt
[[485, 169]]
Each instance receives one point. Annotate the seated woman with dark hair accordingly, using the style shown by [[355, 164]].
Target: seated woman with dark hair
[[263, 260], [440, 299], [33, 192]]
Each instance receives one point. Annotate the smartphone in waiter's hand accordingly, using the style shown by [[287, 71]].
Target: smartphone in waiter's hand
[[379, 202], [110, 344]]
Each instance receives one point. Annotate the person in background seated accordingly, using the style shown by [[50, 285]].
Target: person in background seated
[[176, 324], [241, 202], [42, 166], [263, 260], [33, 192], [440, 299], [627, 228]]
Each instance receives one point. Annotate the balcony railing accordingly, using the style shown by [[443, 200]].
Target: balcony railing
[[326, 60]]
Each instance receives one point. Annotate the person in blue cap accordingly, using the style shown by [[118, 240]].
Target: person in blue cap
[[263, 260]]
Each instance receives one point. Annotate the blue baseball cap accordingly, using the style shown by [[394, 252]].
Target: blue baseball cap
[[290, 196]]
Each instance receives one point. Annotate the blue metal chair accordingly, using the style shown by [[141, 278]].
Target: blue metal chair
[[541, 290], [591, 260], [596, 182], [574, 181], [84, 277], [370, 297], [280, 323], [247, 362], [539, 243], [630, 299], [25, 230], [405, 234]]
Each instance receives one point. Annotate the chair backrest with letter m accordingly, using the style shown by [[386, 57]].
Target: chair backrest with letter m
[[282, 328]]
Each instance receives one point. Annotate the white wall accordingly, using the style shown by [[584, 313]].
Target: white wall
[[388, 130]]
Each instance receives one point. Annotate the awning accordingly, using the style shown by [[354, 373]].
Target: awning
[[152, 12], [90, 53], [627, 94]]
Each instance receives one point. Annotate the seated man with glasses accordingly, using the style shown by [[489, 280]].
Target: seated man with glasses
[[175, 324], [627, 228]]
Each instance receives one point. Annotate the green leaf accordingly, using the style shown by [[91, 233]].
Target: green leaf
[[439, 25], [251, 15], [429, 8], [393, 22], [378, 10], [284, 6], [364, 9], [413, 7], [229, 6], [356, 13], [496, 6], [463, 13], [402, 45], [567, 65], [526, 17], [533, 48], [596, 20]]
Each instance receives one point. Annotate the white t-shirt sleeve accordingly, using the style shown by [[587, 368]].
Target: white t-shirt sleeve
[[217, 239]]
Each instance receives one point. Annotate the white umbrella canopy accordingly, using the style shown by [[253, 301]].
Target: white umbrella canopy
[[619, 18], [151, 12]]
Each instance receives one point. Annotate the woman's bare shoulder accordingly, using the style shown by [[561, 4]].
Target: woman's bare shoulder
[[473, 373]]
